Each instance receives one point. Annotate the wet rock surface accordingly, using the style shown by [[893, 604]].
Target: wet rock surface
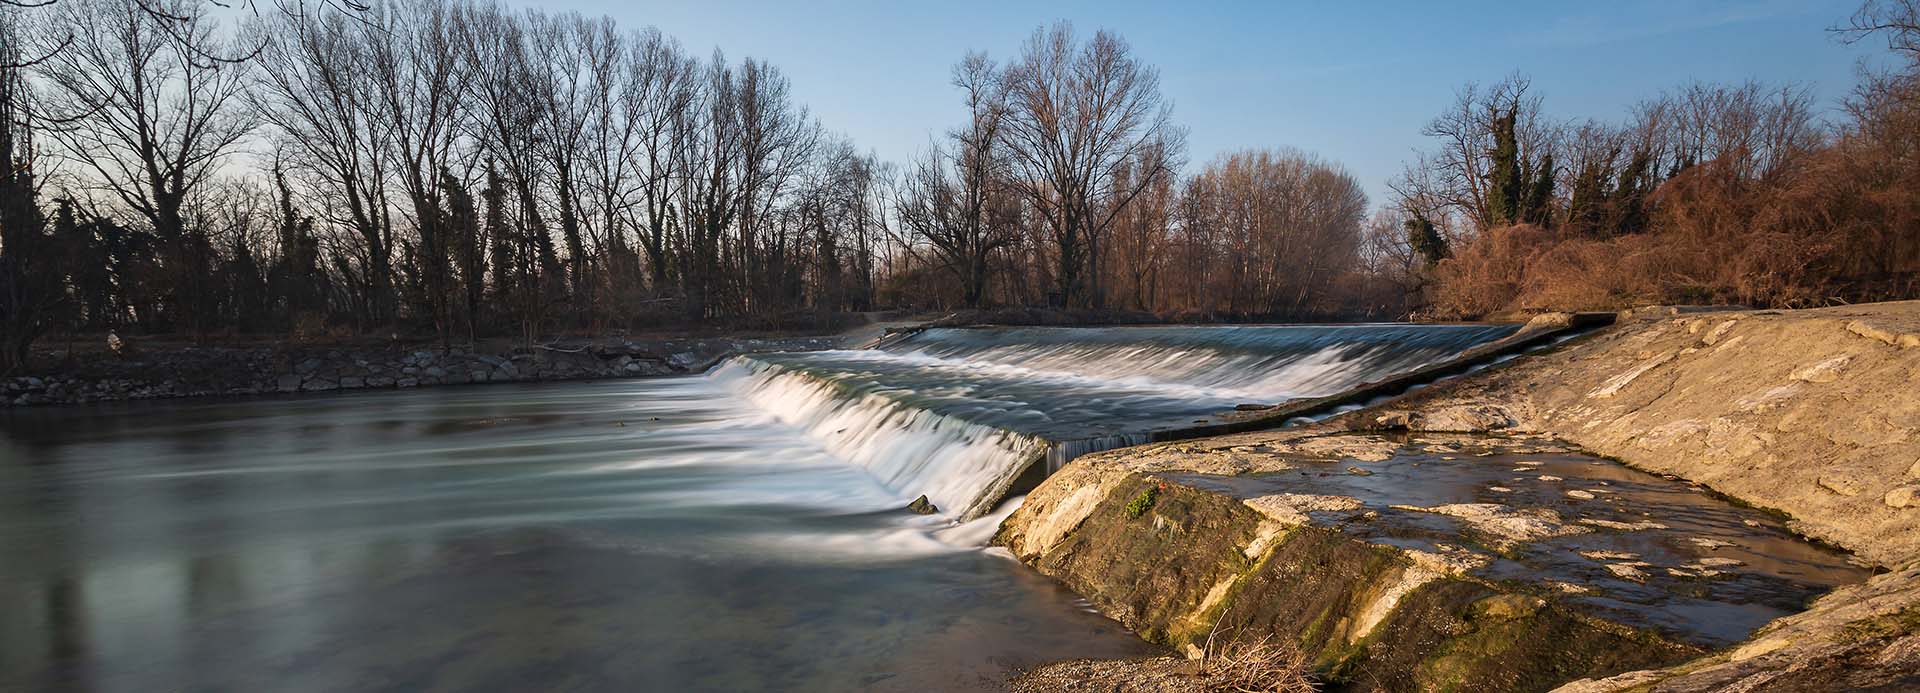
[[1700, 569], [212, 371], [1456, 559], [1814, 414]]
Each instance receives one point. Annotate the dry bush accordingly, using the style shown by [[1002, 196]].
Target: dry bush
[[1827, 219], [1580, 274], [1724, 239], [1837, 226], [1486, 275], [1258, 666]]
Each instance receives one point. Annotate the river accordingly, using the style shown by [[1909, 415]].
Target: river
[[742, 530]]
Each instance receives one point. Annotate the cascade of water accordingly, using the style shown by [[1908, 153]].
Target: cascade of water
[[1285, 361], [961, 467], [957, 414]]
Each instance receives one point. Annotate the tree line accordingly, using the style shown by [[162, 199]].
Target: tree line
[[1707, 193], [1062, 187], [470, 170], [459, 169]]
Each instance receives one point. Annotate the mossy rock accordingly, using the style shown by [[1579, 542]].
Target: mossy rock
[[1174, 568], [1153, 570]]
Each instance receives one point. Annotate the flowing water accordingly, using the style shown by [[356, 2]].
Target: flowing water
[[736, 531], [956, 414]]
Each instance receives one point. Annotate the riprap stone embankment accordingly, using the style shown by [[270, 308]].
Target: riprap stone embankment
[[190, 371]]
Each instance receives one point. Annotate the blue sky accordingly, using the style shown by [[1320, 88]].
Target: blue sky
[[1353, 82]]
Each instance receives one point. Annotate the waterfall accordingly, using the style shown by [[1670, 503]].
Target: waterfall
[[961, 467], [958, 414], [1284, 362]]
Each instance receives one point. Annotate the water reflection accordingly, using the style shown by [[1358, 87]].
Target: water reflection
[[632, 535]]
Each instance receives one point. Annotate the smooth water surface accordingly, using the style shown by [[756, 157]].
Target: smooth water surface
[[742, 530], [634, 535]]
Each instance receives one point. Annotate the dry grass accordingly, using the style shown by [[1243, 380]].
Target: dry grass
[[1258, 666]]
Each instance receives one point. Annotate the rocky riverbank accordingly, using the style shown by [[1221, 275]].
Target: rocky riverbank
[[1397, 557], [191, 371]]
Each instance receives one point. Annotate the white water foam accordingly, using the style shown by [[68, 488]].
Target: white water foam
[[958, 465], [958, 414], [1267, 363]]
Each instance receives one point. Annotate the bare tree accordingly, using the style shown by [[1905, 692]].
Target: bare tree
[[502, 93], [1458, 179], [142, 113], [30, 280], [1897, 20], [777, 141], [957, 200], [571, 61], [414, 71], [1286, 224], [315, 90], [1079, 113], [662, 92]]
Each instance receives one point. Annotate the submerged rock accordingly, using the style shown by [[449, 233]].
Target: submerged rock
[[922, 506], [1510, 525]]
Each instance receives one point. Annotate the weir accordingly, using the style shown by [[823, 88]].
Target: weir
[[959, 414]]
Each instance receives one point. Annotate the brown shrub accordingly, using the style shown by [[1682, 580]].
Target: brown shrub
[[1840, 225], [1487, 274], [1258, 666], [1838, 222]]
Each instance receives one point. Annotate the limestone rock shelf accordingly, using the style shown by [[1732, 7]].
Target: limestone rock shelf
[[1443, 562]]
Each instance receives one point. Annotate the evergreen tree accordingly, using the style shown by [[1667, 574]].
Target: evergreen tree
[[1588, 203], [296, 281], [1539, 205], [1506, 182], [506, 264], [461, 224], [30, 275], [246, 290], [1629, 200], [86, 266], [1427, 243]]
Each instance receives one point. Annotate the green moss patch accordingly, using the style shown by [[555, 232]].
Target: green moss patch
[[1897, 624], [1143, 502]]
